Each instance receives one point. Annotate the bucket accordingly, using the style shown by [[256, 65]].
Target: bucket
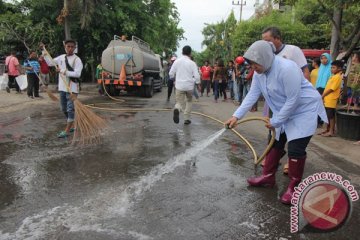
[[348, 124]]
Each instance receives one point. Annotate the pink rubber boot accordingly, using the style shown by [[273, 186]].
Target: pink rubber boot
[[269, 170], [296, 170]]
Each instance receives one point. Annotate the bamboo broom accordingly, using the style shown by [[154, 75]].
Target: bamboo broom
[[88, 125]]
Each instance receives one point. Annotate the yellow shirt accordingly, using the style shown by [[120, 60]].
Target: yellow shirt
[[313, 76], [334, 83]]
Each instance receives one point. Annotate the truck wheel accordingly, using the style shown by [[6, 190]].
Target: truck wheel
[[117, 92], [108, 89], [160, 88], [149, 89], [112, 90]]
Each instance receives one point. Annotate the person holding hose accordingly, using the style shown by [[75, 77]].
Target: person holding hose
[[295, 105]]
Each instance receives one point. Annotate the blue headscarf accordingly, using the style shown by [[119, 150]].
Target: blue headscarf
[[324, 72]]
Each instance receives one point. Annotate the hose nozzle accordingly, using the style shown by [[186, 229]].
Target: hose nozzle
[[227, 126]]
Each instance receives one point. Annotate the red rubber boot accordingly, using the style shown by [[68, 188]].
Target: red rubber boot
[[271, 164], [296, 170]]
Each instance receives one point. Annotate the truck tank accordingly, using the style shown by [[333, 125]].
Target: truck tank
[[135, 54]]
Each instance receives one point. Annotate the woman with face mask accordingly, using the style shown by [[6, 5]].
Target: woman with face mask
[[295, 105]]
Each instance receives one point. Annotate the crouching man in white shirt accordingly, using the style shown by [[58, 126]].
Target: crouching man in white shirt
[[187, 75]]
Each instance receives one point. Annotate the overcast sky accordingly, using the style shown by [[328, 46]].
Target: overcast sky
[[194, 13]]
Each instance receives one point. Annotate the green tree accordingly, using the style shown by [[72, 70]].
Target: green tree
[[201, 57], [249, 31], [159, 28], [345, 23], [18, 27], [310, 14], [218, 38], [93, 24]]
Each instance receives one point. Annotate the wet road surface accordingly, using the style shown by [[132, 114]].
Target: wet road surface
[[148, 179]]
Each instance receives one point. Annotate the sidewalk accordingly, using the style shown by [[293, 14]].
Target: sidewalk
[[10, 102], [336, 146]]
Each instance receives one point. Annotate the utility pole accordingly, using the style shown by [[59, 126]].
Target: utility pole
[[240, 3]]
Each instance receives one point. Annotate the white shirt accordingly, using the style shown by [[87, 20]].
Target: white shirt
[[295, 104], [76, 63], [187, 73], [293, 53]]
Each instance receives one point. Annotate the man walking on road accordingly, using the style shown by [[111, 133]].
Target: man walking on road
[[187, 75]]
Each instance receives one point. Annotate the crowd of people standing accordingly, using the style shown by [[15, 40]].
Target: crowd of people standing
[[230, 82], [35, 68]]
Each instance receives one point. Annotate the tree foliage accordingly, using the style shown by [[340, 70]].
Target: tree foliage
[[309, 12], [217, 38], [247, 32], [344, 19], [309, 24], [93, 23]]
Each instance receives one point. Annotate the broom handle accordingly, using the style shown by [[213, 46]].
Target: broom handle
[[61, 75]]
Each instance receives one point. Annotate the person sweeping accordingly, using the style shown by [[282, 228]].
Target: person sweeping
[[69, 67], [295, 105], [89, 126]]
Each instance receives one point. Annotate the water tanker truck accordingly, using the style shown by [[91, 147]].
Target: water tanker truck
[[131, 65]]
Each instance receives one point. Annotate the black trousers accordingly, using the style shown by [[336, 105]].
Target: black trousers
[[223, 86], [170, 87], [205, 84], [241, 91], [33, 85], [13, 83], [296, 147]]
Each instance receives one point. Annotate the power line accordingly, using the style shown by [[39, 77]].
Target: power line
[[240, 3]]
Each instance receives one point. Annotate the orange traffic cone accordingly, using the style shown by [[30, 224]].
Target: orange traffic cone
[[122, 73]]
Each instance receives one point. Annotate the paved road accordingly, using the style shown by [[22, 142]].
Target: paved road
[[148, 179]]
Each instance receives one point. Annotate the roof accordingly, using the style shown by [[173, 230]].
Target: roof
[[314, 52]]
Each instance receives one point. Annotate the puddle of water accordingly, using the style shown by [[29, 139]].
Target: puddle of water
[[146, 182], [108, 204]]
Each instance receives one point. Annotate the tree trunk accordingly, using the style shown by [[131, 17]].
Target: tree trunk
[[335, 32], [92, 69], [67, 20]]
